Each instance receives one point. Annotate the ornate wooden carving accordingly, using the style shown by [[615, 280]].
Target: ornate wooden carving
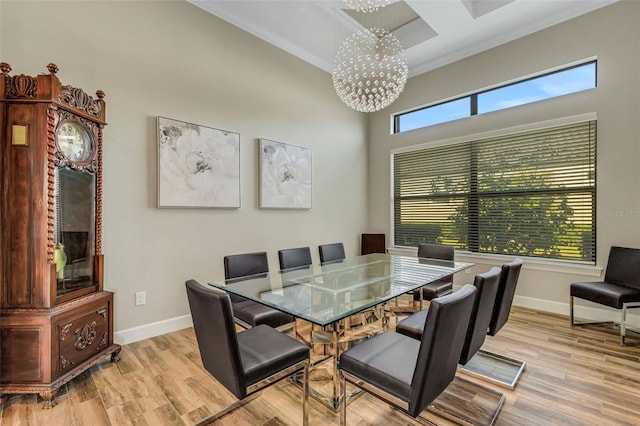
[[102, 312], [103, 342], [85, 336], [51, 186], [99, 193], [79, 99], [65, 331], [21, 86], [65, 363]]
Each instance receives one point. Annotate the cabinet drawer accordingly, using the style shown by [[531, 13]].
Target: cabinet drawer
[[83, 336]]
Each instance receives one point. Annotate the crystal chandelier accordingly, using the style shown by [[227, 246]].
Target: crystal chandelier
[[370, 70], [367, 5]]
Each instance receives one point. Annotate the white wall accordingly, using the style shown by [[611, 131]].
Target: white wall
[[171, 59], [611, 34]]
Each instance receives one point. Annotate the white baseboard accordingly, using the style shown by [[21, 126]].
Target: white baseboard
[[130, 335], [592, 313]]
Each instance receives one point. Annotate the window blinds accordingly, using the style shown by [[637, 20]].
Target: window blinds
[[530, 194]]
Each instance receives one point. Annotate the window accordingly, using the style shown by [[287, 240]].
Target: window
[[441, 113], [550, 85], [529, 194]]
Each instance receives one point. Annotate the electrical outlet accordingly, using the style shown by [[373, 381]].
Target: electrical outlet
[[141, 298]]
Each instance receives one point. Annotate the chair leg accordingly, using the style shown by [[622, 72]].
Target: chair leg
[[228, 409], [305, 395], [343, 400], [623, 319], [571, 310]]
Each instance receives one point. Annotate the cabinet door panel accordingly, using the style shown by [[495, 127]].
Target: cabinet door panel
[[83, 335], [25, 350]]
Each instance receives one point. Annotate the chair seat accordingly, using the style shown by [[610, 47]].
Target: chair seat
[[386, 361], [434, 289], [265, 351], [612, 295], [413, 325], [254, 313]]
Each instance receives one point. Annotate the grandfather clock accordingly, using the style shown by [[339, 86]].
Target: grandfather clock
[[55, 318]]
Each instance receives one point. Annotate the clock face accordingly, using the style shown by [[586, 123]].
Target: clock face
[[74, 141]]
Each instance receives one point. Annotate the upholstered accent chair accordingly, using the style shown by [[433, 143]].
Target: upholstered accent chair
[[619, 290], [247, 312], [244, 362], [331, 253], [294, 258], [407, 373]]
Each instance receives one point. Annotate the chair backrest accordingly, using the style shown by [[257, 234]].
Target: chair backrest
[[241, 265], [295, 258], [217, 340], [504, 298], [331, 252], [623, 267], [486, 285], [436, 251], [440, 347], [373, 243]]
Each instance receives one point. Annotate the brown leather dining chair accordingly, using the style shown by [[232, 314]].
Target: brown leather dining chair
[[244, 362], [294, 258], [247, 312], [331, 253], [410, 374], [434, 289], [486, 285], [497, 368], [443, 285]]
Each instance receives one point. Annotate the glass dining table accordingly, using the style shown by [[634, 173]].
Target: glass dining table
[[343, 301]]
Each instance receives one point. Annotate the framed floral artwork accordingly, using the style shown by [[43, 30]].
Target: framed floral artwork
[[198, 166], [285, 176]]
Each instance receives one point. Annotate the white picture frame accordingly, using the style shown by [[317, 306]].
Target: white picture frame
[[198, 166], [285, 175]]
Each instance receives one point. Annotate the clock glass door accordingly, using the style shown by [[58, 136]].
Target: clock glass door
[[74, 229]]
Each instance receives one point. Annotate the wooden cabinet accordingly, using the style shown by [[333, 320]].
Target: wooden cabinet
[[56, 320]]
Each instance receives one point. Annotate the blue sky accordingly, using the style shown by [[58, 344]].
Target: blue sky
[[561, 83]]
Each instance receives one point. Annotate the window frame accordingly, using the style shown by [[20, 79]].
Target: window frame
[[473, 96]]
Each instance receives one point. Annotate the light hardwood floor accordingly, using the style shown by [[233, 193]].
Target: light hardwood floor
[[574, 376]]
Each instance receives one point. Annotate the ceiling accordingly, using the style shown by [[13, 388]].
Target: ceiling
[[434, 33]]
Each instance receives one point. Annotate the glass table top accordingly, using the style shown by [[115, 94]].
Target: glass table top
[[324, 294]]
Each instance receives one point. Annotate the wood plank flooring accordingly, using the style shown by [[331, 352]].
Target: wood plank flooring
[[574, 376]]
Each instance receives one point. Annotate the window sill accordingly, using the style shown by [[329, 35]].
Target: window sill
[[533, 263]]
